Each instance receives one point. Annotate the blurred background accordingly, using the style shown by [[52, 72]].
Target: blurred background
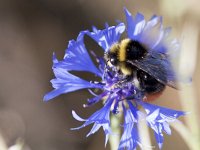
[[31, 30]]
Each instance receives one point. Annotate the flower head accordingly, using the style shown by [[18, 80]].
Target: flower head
[[119, 94]]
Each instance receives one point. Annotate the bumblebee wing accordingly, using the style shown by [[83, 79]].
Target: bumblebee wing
[[159, 67]]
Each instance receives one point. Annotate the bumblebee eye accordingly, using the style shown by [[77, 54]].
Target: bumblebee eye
[[113, 61]]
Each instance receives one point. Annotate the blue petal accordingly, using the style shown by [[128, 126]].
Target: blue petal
[[94, 129], [133, 109], [168, 45], [107, 37], [74, 114], [159, 135], [166, 128], [153, 115], [95, 99], [135, 25], [66, 82], [77, 58], [162, 46], [162, 110], [130, 138], [100, 61], [100, 118], [153, 33], [158, 119]]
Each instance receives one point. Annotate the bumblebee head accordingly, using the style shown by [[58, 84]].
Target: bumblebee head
[[111, 56]]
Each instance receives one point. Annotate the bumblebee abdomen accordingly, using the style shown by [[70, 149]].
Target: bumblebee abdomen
[[148, 83]]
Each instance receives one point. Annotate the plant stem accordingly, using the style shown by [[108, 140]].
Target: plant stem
[[189, 103], [186, 135], [187, 94], [115, 125], [144, 135], [2, 143]]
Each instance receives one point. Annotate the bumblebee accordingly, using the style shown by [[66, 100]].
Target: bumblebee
[[135, 61]]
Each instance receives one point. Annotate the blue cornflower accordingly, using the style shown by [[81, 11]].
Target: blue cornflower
[[127, 97]]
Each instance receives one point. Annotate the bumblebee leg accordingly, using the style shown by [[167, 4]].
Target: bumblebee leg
[[127, 78]]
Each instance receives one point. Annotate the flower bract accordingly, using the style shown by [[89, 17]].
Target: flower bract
[[126, 97]]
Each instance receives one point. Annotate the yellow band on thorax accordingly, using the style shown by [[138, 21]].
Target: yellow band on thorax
[[122, 51]]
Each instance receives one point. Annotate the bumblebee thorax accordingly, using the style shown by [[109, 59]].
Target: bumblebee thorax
[[131, 50]]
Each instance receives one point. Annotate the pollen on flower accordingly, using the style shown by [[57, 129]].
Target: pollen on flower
[[121, 92]]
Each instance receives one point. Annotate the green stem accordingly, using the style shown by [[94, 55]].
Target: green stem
[[115, 125], [144, 135]]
